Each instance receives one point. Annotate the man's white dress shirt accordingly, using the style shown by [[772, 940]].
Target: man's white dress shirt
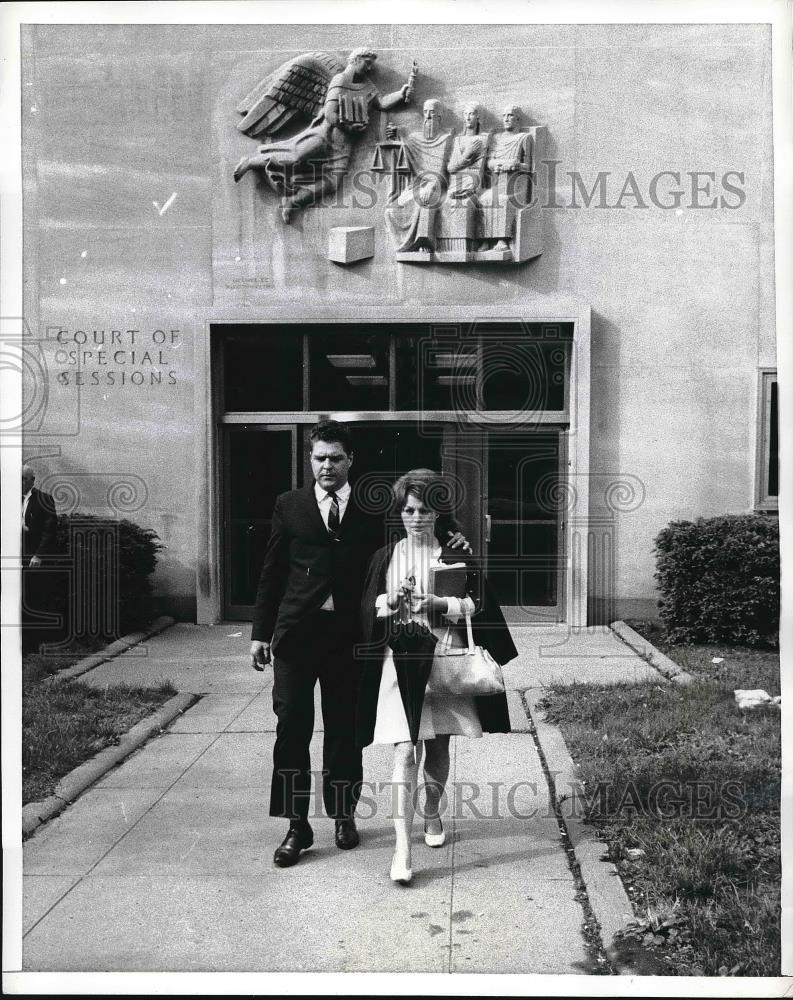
[[25, 502]]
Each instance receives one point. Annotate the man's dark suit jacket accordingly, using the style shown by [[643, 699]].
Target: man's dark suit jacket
[[304, 563], [42, 522]]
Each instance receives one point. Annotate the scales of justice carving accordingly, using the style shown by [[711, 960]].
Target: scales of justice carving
[[452, 198]]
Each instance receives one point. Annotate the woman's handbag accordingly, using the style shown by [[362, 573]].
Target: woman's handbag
[[465, 671]]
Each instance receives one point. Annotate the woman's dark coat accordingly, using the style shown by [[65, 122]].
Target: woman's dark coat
[[489, 628]]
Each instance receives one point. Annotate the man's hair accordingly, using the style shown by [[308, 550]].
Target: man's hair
[[331, 431]]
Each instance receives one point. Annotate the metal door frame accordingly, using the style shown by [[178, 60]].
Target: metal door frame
[[209, 421]]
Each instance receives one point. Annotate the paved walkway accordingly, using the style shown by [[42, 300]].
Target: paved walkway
[[166, 864]]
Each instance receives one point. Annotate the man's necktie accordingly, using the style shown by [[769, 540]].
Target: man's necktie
[[333, 513]]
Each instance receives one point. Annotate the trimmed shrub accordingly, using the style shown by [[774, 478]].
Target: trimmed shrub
[[719, 579], [136, 552]]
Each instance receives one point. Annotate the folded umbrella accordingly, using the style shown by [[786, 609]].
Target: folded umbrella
[[414, 647]]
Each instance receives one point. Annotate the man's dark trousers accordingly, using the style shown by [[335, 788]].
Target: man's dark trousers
[[319, 650], [304, 565]]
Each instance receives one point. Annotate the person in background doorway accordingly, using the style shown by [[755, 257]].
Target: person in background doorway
[[39, 526]]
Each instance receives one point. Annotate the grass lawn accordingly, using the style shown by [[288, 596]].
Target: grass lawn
[[685, 789], [64, 723]]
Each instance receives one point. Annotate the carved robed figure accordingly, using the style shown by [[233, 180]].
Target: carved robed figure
[[413, 216], [459, 215], [471, 197], [509, 164]]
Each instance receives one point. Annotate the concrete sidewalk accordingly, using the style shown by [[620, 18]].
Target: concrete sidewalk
[[166, 863]]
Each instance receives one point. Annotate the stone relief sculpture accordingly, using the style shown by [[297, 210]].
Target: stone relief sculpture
[[458, 220], [470, 197], [509, 164], [412, 217], [339, 99]]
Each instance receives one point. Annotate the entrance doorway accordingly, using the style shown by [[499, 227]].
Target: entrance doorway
[[485, 403], [506, 484]]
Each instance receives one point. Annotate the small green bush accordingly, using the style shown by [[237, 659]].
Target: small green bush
[[137, 557], [719, 579]]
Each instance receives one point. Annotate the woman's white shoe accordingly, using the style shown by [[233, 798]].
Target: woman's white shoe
[[400, 872], [434, 839]]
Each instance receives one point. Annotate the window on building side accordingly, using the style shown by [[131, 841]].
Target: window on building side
[[768, 444]]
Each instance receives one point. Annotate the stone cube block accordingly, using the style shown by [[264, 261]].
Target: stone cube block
[[347, 244]]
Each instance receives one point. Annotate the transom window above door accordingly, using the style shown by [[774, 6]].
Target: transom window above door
[[501, 366]]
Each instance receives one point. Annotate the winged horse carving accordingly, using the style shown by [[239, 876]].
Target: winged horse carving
[[337, 99]]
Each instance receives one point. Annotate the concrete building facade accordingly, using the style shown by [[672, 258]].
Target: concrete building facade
[[181, 336]]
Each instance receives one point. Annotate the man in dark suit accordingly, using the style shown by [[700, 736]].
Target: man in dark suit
[[307, 619], [39, 526]]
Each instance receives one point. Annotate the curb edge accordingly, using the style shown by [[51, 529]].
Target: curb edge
[[607, 896], [73, 784], [658, 660], [114, 649]]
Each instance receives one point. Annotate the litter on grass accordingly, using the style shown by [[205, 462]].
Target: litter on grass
[[750, 698]]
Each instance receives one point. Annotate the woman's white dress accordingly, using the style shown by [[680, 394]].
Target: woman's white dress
[[449, 714]]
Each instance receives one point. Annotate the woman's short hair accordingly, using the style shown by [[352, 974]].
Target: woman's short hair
[[430, 487]]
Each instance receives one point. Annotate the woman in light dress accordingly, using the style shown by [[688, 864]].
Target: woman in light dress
[[419, 499]]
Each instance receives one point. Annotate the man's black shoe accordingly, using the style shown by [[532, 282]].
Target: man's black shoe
[[299, 838], [346, 834]]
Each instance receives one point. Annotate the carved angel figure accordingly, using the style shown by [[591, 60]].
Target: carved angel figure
[[312, 163]]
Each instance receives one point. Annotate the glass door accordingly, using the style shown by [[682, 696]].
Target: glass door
[[383, 450], [486, 403], [509, 485], [524, 527], [511, 494], [259, 463], [263, 460]]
